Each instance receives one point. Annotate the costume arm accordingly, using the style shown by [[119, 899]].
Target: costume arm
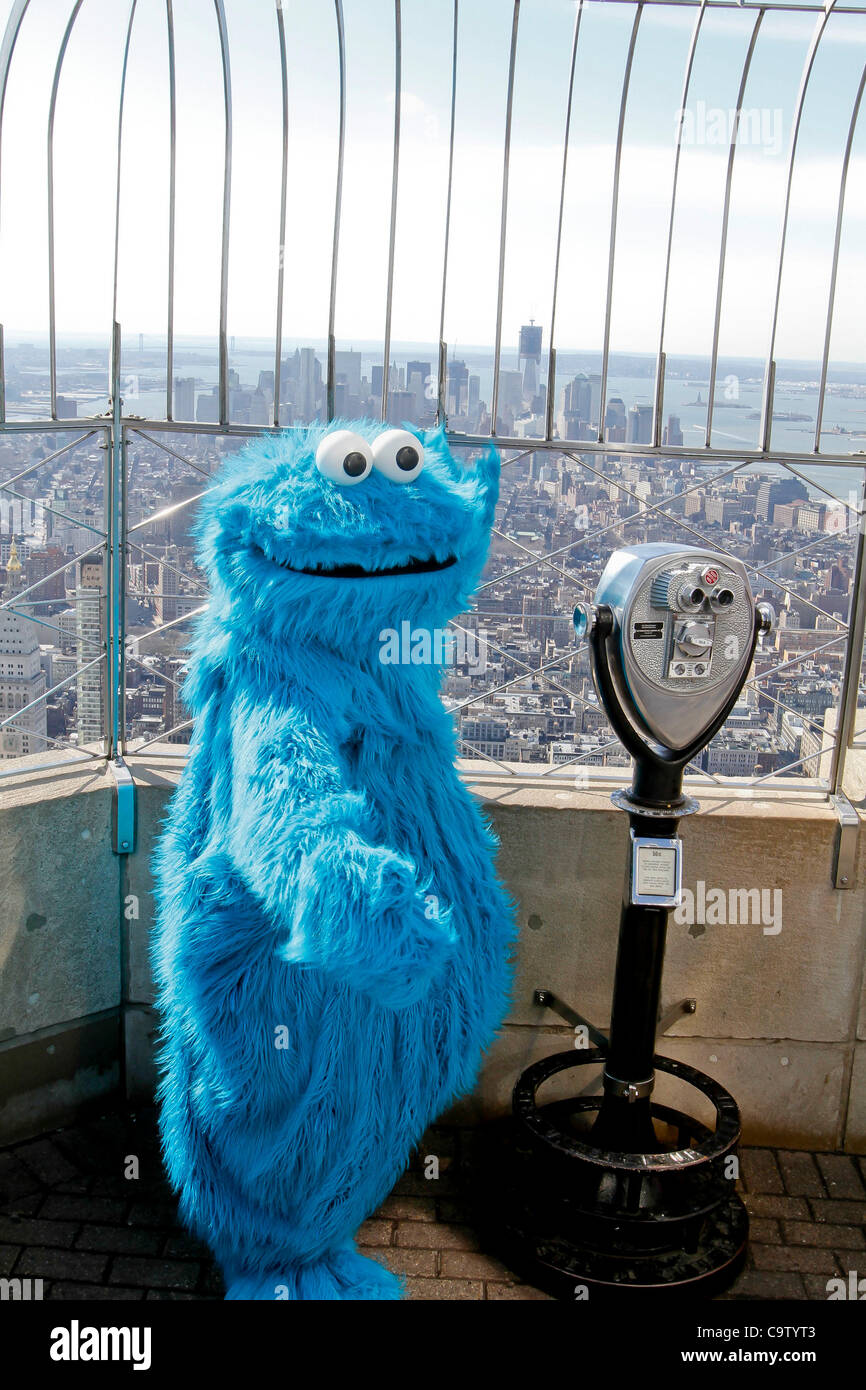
[[304, 844]]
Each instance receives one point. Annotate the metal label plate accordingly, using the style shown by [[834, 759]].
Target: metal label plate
[[656, 871]]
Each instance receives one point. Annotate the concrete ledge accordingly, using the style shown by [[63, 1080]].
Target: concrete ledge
[[781, 1003]]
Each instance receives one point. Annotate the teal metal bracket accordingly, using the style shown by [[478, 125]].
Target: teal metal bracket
[[124, 808], [846, 841]]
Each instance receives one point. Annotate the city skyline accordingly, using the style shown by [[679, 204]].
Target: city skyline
[[517, 691]]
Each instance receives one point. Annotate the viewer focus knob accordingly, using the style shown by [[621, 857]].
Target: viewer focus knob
[[694, 639]]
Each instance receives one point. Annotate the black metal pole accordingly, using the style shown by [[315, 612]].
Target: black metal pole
[[624, 1121]]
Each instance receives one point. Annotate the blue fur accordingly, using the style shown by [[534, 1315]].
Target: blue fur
[[322, 868]]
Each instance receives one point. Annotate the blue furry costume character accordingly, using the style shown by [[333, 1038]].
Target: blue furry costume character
[[332, 940]]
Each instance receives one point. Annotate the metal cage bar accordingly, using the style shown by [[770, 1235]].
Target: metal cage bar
[[834, 269], [226, 213], [503, 217], [172, 210], [338, 209], [551, 350], [723, 244], [284, 178], [614, 215], [442, 366], [52, 310], [658, 396], [119, 538], [766, 427], [392, 224]]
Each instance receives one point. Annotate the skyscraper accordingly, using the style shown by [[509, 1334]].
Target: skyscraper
[[530, 357], [422, 369], [639, 426], [673, 434], [457, 387], [775, 491], [614, 420], [166, 594], [90, 634], [309, 381], [401, 408], [184, 398], [347, 369], [22, 679], [576, 408]]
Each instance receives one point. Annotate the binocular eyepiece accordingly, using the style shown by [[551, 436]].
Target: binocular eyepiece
[[672, 633]]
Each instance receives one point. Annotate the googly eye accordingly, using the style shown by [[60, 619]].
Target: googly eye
[[399, 455], [344, 457]]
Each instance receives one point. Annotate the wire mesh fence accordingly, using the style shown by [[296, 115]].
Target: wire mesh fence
[[678, 183]]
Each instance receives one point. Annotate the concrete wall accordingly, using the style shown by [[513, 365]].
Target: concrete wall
[[60, 946], [780, 1017]]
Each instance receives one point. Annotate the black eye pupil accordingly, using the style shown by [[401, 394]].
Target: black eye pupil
[[354, 464], [407, 457]]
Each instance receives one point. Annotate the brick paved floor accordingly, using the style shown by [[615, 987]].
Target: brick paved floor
[[71, 1216]]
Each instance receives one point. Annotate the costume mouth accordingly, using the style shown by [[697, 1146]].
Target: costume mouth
[[411, 566]]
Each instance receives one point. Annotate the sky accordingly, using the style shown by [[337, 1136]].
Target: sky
[[85, 152]]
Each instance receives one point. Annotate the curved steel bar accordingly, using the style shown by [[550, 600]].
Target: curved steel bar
[[853, 664], [485, 757], [49, 458], [392, 230], [55, 744], [726, 214], [642, 511], [486, 694], [551, 351], [59, 686], [658, 396], [810, 482], [443, 356], [769, 372], [226, 217], [579, 757], [614, 211], [837, 241], [160, 560], [175, 622], [500, 651], [22, 497], [120, 106], [168, 511], [52, 627], [160, 738], [7, 48], [52, 313], [715, 545], [161, 675], [503, 217], [536, 560], [158, 444], [172, 173], [338, 208], [284, 175], [37, 583], [783, 7]]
